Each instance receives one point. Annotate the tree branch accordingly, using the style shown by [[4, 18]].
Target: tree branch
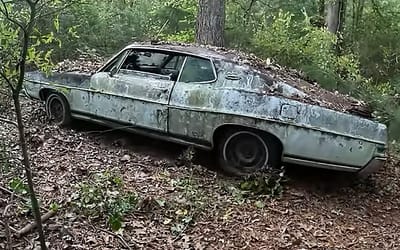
[[28, 228], [7, 80], [57, 10], [122, 240], [247, 11], [8, 121], [376, 8], [7, 15], [7, 223]]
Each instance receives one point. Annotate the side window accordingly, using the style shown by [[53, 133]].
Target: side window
[[115, 62], [197, 70], [162, 63], [175, 63]]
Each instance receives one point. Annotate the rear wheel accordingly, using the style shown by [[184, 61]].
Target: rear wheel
[[58, 110], [245, 152]]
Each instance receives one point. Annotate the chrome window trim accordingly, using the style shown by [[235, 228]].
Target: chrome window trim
[[112, 59], [186, 54]]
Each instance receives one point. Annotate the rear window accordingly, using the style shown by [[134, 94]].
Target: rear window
[[198, 70]]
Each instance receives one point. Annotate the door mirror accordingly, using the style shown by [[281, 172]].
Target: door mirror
[[113, 71]]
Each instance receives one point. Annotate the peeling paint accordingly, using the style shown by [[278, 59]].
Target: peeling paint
[[195, 110]]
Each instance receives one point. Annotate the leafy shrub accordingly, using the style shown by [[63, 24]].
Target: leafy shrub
[[270, 184], [104, 195], [307, 48]]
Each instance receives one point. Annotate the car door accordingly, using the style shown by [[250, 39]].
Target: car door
[[193, 99], [136, 91]]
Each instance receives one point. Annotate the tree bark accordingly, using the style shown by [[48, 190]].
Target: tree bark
[[321, 8], [335, 19], [210, 23], [333, 16], [28, 172]]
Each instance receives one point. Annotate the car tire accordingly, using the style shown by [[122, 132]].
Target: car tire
[[58, 110], [246, 152]]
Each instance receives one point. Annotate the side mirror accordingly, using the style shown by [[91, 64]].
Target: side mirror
[[113, 71]]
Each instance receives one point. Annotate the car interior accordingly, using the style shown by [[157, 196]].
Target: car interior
[[154, 62]]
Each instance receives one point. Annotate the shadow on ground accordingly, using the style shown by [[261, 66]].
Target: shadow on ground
[[320, 180]]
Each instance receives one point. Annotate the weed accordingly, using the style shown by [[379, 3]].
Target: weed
[[269, 183], [190, 202], [104, 196], [186, 157], [18, 186], [260, 185]]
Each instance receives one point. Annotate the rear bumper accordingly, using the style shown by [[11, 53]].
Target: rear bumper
[[374, 165]]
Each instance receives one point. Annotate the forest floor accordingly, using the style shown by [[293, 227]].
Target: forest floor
[[89, 173]]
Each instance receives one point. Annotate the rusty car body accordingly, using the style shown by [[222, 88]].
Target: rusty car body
[[253, 116]]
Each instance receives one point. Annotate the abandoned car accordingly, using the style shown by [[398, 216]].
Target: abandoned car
[[253, 114]]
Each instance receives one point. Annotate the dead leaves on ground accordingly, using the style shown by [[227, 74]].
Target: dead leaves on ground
[[187, 206]]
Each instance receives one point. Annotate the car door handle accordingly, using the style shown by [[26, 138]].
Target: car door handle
[[162, 90], [232, 77]]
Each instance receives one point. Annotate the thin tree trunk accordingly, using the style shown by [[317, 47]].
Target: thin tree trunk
[[335, 19], [210, 23], [28, 171], [333, 16], [358, 11], [27, 31], [321, 8]]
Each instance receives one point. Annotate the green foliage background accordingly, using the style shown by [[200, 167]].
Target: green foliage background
[[363, 61]]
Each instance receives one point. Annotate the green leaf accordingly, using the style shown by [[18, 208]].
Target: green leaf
[[18, 186], [246, 185], [115, 222], [56, 23], [259, 204]]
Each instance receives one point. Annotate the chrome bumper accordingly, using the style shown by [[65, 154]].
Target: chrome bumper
[[373, 166]]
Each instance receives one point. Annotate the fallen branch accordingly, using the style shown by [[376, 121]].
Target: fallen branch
[[7, 226], [14, 194], [8, 121], [122, 240], [12, 229], [30, 227]]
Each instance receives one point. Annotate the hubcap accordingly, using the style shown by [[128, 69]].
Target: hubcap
[[246, 151]]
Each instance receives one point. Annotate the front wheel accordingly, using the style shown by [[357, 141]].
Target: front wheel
[[58, 110], [245, 152]]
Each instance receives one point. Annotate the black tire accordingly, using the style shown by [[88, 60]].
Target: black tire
[[244, 152], [57, 109]]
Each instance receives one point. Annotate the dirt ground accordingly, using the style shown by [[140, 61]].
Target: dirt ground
[[184, 205]]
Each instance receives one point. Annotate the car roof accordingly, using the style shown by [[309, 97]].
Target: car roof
[[317, 95], [191, 49]]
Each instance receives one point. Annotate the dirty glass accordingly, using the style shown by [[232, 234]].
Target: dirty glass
[[197, 70], [142, 60], [175, 63], [115, 62], [154, 62]]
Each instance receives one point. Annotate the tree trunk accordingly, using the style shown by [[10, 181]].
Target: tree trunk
[[358, 10], [335, 19], [210, 23], [333, 16], [321, 8], [28, 171], [27, 31]]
